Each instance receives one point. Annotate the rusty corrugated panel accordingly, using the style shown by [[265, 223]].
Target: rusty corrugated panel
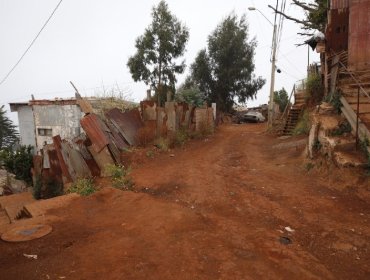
[[148, 110], [58, 148], [161, 122], [339, 4], [81, 143], [36, 168], [91, 124], [103, 159], [359, 35], [204, 119], [337, 30], [128, 123], [117, 138], [55, 170], [76, 164]]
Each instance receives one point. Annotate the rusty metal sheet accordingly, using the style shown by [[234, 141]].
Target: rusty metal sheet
[[337, 30], [75, 161], [128, 123], [359, 35], [204, 119], [161, 122], [81, 143], [103, 159], [91, 124], [148, 110], [116, 137], [55, 170], [36, 170], [339, 4], [58, 148]]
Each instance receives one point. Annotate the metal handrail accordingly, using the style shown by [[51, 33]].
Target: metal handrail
[[287, 105], [354, 78]]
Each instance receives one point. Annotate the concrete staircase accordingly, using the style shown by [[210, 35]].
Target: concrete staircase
[[351, 84], [11, 207]]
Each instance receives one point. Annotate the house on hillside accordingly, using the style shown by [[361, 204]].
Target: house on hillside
[[346, 59], [40, 120]]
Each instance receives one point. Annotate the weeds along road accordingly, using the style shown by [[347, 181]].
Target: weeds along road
[[237, 205]]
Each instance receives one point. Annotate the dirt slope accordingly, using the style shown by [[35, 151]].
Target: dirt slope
[[214, 210]]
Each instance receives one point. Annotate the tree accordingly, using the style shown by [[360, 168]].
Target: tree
[[8, 132], [224, 71], [281, 98], [190, 93], [316, 12], [158, 49]]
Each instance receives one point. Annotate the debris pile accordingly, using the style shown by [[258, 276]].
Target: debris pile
[[106, 136]]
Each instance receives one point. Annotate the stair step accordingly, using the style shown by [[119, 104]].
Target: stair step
[[4, 220], [353, 100]]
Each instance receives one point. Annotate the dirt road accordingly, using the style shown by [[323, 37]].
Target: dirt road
[[220, 208]]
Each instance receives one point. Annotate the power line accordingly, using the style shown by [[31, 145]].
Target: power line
[[33, 41]]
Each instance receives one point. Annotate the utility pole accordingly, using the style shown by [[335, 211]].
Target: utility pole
[[272, 84], [273, 67]]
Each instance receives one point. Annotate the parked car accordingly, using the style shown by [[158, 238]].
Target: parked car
[[252, 117]]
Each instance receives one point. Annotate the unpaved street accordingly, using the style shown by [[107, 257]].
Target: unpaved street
[[219, 208]]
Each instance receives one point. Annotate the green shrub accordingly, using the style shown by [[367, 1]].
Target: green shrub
[[181, 136], [52, 189], [308, 166], [344, 127], [120, 177], [83, 187], [314, 89], [150, 154], [18, 162], [364, 144], [162, 144], [303, 125], [36, 192]]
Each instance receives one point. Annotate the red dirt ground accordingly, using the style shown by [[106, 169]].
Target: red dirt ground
[[215, 209]]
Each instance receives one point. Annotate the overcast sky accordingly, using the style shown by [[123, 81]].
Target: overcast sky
[[89, 42]]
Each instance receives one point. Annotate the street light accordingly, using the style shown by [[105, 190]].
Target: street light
[[273, 69]]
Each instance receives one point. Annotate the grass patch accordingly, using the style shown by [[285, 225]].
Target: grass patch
[[314, 89], [343, 128], [150, 154], [162, 144], [120, 177], [303, 125], [364, 144], [83, 187], [308, 166]]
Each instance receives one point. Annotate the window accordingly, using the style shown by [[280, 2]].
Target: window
[[45, 131]]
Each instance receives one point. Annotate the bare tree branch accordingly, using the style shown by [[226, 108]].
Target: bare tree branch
[[303, 5], [305, 34], [304, 22]]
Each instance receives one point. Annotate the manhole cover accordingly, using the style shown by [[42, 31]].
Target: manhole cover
[[26, 233]]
